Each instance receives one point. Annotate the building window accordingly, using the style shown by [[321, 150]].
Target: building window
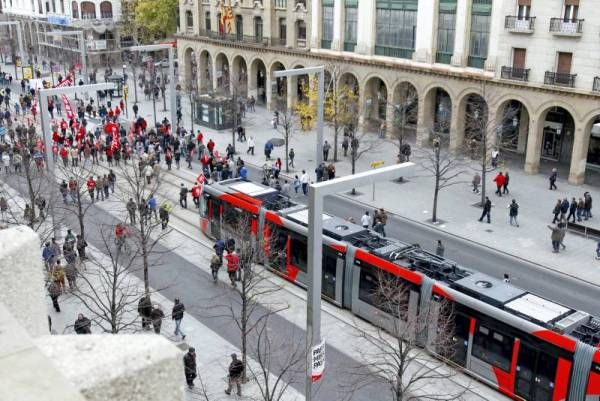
[[239, 27], [54, 6], [47, 7], [258, 29], [106, 10], [350, 25], [281, 4], [62, 6], [282, 31], [571, 10], [88, 10], [301, 33], [207, 21], [446, 31], [480, 32], [189, 20], [524, 9], [327, 28], [396, 28]]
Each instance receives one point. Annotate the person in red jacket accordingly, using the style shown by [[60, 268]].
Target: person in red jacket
[[210, 145], [196, 195], [499, 183], [233, 264], [199, 137], [64, 154], [91, 185]]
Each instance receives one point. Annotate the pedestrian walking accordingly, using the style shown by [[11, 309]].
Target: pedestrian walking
[[495, 155], [487, 209], [476, 181], [378, 227], [304, 181], [345, 145], [81, 244], [236, 369], [157, 316], [152, 207], [598, 251], [505, 185], [555, 237], [580, 208], [564, 208], [513, 213], [82, 325], [556, 211], [177, 315], [54, 291], [131, 208], [506, 278], [145, 310], [297, 184], [233, 262], [440, 249], [189, 366], [553, 177], [251, 146], [291, 156], [326, 148], [499, 180], [572, 209], [268, 149], [183, 191], [163, 214], [587, 199], [365, 220], [71, 270]]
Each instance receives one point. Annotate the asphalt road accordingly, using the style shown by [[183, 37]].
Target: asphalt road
[[569, 291], [176, 277]]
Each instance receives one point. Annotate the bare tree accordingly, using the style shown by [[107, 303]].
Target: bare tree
[[360, 144], [399, 352], [445, 168], [288, 124], [483, 134], [405, 114], [148, 232], [280, 362], [108, 290], [250, 305]]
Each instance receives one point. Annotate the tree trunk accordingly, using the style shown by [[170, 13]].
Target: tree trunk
[[145, 264], [287, 144], [113, 301], [335, 139], [80, 214], [437, 186], [244, 324]]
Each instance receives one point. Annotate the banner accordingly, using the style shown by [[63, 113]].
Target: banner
[[317, 361], [226, 22], [68, 109]]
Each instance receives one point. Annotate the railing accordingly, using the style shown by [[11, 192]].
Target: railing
[[514, 23], [325, 44], [560, 79], [596, 86], [518, 74], [394, 52], [443, 58], [476, 62], [349, 46], [566, 26]]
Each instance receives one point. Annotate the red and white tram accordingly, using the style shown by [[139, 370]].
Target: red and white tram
[[526, 346]]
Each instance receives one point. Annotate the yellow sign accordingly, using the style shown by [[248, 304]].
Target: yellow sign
[[377, 164], [125, 91], [18, 62], [28, 72]]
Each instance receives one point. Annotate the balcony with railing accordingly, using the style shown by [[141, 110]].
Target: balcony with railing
[[515, 24], [516, 74], [559, 79], [397, 52], [566, 27], [596, 85]]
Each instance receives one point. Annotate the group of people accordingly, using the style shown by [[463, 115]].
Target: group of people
[[574, 211]]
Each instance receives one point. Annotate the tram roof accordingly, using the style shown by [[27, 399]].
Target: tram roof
[[251, 189]]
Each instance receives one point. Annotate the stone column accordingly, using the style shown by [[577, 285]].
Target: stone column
[[581, 143], [523, 131], [361, 109], [461, 34], [389, 115], [267, 17], [367, 22], [457, 127], [426, 23], [315, 25], [338, 25], [291, 91], [214, 76], [268, 91], [424, 120], [534, 146], [497, 25]]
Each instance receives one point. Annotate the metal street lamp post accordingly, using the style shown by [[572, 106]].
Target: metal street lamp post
[[316, 195], [320, 71], [47, 132]]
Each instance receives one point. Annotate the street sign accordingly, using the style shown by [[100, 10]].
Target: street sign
[[377, 163], [318, 361], [28, 72]]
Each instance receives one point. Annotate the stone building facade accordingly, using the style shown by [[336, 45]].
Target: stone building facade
[[527, 67]]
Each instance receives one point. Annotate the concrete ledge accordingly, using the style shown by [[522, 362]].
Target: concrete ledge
[[118, 367], [22, 288]]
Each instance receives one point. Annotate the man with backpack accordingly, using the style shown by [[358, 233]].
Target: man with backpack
[[513, 212]]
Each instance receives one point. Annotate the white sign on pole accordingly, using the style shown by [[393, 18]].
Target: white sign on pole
[[318, 361]]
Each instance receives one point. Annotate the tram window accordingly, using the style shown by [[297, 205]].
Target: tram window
[[384, 291], [299, 253], [204, 206], [493, 347]]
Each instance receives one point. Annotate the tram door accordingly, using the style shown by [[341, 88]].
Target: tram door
[[536, 371], [215, 218], [460, 340], [333, 270]]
